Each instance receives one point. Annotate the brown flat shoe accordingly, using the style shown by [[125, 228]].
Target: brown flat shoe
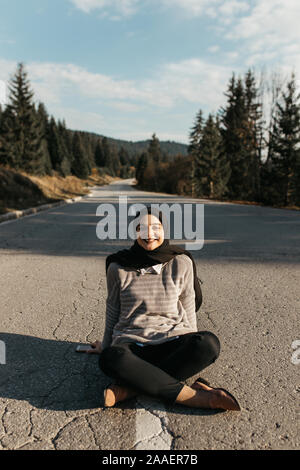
[[201, 383], [230, 400], [225, 401], [115, 393]]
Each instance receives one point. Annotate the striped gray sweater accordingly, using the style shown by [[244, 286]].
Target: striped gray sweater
[[150, 308]]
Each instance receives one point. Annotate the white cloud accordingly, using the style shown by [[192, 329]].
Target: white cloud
[[125, 106], [194, 81], [264, 31], [275, 22], [193, 7], [214, 8], [214, 49], [191, 83], [77, 120], [232, 7], [175, 87], [222, 10], [124, 7], [270, 32]]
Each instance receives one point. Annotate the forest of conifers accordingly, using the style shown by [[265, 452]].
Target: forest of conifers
[[249, 150]]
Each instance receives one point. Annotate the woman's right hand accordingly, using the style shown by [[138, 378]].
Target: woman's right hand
[[96, 348]]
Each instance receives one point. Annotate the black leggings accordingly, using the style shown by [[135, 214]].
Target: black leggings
[[157, 369]]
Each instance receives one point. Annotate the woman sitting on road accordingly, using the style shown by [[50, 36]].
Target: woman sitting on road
[[151, 342]]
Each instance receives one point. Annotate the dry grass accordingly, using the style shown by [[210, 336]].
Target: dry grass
[[63, 188], [20, 190]]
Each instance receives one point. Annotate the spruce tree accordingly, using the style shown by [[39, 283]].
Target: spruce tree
[[123, 156], [141, 168], [4, 156], [106, 152], [196, 133], [212, 168], [285, 154], [22, 134], [43, 117], [99, 154], [115, 160], [154, 150], [234, 129], [59, 154], [66, 148], [194, 152], [87, 145], [80, 166], [253, 138]]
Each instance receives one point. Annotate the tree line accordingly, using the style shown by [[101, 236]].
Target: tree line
[[249, 150], [33, 141]]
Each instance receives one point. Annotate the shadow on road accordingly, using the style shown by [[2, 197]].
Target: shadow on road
[[232, 232], [50, 375]]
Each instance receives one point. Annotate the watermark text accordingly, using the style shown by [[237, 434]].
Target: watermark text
[[2, 353], [186, 220]]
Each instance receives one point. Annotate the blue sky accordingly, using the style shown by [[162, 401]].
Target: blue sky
[[128, 68]]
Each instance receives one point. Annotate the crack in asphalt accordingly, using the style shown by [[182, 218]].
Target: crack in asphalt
[[58, 326], [163, 433], [209, 318], [93, 432], [165, 428], [2, 419], [53, 439]]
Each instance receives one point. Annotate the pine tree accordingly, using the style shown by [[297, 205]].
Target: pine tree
[[106, 152], [196, 133], [4, 159], [59, 153], [285, 156], [21, 139], [253, 138], [141, 168], [115, 164], [87, 145], [242, 131], [66, 157], [194, 151], [42, 117], [123, 156], [212, 169], [154, 150], [234, 129], [80, 166], [99, 154]]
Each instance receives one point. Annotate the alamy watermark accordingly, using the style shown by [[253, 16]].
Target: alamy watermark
[[296, 354], [188, 221], [2, 353]]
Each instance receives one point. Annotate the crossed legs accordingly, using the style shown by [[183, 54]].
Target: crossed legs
[[158, 370]]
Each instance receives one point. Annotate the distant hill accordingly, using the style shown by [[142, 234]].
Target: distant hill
[[136, 148]]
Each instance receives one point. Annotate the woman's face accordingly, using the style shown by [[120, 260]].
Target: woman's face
[[150, 232]]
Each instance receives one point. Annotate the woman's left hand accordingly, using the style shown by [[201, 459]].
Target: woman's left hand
[[96, 348]]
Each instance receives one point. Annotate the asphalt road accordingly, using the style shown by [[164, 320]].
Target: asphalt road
[[53, 291]]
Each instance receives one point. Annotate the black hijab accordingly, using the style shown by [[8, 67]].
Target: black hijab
[[137, 257]]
